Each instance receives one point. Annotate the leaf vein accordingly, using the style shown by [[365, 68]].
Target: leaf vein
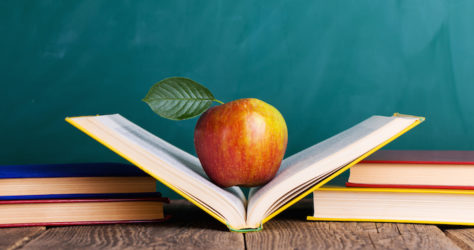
[[187, 88], [164, 90], [180, 109], [183, 89], [171, 90]]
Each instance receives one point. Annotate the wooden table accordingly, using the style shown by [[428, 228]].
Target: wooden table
[[190, 228]]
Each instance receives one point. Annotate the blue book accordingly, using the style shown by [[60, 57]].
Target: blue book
[[82, 196], [73, 181], [70, 170]]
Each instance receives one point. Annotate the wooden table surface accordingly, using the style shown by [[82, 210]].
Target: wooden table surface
[[190, 228]]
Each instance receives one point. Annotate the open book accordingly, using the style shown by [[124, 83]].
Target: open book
[[299, 174]]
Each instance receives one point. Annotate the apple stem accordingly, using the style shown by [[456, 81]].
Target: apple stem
[[218, 101]]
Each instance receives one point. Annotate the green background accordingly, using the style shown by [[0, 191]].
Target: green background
[[325, 65]]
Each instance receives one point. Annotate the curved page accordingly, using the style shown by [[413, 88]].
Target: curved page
[[321, 159], [167, 163]]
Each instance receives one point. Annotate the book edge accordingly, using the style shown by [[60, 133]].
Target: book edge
[[85, 200], [418, 162], [80, 196], [313, 218], [407, 186], [75, 223], [396, 190]]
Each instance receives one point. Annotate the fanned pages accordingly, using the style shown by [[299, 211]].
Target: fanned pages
[[308, 166], [172, 166], [299, 175]]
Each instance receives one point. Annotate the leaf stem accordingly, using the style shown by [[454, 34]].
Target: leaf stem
[[218, 101]]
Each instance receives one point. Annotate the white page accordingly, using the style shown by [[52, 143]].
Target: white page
[[184, 166], [322, 158]]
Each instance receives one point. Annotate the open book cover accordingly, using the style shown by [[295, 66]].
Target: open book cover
[[298, 176]]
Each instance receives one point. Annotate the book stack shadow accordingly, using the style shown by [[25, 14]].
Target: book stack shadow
[[78, 194], [428, 187]]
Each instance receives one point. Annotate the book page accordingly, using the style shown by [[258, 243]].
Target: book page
[[168, 163], [309, 165]]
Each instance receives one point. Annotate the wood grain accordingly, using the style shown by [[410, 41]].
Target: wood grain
[[463, 237], [291, 231], [412, 236], [190, 228], [11, 238]]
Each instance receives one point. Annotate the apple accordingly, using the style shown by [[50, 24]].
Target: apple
[[241, 143]]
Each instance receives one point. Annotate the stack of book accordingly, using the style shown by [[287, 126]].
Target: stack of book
[[75, 194], [431, 187]]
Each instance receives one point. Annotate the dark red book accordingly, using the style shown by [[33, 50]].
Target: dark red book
[[415, 169], [59, 212]]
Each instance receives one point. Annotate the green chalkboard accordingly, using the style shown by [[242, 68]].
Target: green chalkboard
[[325, 65]]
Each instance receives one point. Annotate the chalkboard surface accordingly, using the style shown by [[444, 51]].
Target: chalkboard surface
[[325, 65]]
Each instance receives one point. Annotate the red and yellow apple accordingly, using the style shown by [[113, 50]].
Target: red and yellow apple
[[241, 143]]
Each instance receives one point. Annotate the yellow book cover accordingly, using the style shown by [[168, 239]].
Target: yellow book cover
[[299, 174], [401, 205]]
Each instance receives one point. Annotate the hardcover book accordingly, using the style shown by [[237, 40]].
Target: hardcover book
[[299, 174], [415, 169], [46, 180], [80, 196], [85, 211], [426, 206]]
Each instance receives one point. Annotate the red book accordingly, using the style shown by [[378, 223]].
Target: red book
[[58, 212], [415, 169]]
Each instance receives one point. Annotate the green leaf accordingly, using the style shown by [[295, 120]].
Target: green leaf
[[179, 98]]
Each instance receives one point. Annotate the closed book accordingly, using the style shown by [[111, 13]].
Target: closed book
[[415, 169], [426, 206], [81, 196], [79, 178], [16, 213]]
